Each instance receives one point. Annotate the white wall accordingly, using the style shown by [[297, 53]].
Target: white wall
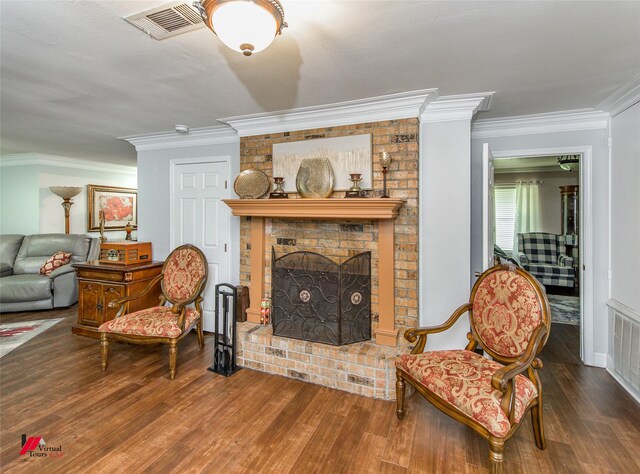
[[550, 203], [29, 206], [625, 208], [596, 139], [19, 200], [444, 228], [51, 211], [155, 198]]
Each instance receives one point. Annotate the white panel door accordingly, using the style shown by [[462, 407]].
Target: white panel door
[[201, 218], [488, 208]]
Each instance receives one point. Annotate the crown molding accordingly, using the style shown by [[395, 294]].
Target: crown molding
[[623, 98], [375, 109], [555, 122], [457, 107], [37, 159], [196, 137]]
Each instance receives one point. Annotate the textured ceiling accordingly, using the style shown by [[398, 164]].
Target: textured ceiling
[[74, 75]]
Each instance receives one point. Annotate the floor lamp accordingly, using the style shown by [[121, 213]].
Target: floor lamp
[[66, 193]]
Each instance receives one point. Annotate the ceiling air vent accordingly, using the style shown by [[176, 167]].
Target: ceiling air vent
[[167, 20]]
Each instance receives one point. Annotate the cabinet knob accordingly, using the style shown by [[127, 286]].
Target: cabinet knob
[[99, 306]]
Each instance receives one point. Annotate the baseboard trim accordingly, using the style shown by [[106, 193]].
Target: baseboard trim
[[625, 386], [600, 360]]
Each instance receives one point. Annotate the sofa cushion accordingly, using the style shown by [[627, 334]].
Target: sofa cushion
[[5, 269], [57, 260], [24, 287], [9, 246], [553, 275], [36, 249]]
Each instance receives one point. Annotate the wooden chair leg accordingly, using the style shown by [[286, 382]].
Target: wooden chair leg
[[400, 389], [104, 350], [200, 334], [538, 427], [173, 357], [496, 448]]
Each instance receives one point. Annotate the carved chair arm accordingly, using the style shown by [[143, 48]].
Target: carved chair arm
[[124, 302], [420, 334], [504, 378]]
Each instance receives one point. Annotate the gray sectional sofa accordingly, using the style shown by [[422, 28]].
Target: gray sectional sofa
[[23, 288]]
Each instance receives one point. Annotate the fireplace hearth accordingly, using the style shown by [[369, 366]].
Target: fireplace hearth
[[318, 300]]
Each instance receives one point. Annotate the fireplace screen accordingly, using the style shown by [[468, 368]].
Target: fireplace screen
[[315, 299]]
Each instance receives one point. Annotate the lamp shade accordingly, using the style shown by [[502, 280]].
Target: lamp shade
[[246, 26], [569, 162], [65, 192]]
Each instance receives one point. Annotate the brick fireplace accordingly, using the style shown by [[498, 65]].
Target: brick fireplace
[[365, 367]]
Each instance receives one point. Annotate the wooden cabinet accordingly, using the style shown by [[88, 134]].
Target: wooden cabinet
[[570, 207], [100, 283]]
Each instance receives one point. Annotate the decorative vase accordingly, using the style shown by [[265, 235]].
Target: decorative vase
[[315, 178]]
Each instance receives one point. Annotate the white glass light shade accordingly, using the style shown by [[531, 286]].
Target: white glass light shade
[[244, 26], [569, 162], [569, 166]]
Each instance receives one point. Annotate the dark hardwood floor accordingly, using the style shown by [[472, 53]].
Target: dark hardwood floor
[[134, 419]]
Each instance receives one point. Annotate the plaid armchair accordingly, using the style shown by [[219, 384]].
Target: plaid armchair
[[543, 255]]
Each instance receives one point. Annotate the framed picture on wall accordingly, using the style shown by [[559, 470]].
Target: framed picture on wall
[[120, 206], [349, 154]]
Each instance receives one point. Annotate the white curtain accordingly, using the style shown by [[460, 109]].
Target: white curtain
[[527, 210]]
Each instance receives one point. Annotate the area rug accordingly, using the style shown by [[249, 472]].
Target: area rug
[[13, 335], [565, 309]]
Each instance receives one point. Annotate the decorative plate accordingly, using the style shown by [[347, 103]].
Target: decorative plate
[[251, 184]]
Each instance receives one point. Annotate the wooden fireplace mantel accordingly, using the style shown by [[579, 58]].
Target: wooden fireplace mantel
[[353, 208], [382, 210]]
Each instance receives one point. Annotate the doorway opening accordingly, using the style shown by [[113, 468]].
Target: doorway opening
[[537, 224], [565, 203]]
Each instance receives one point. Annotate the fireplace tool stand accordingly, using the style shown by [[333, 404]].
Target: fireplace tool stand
[[224, 345]]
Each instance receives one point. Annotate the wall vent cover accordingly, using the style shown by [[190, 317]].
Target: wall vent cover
[[167, 20], [626, 349]]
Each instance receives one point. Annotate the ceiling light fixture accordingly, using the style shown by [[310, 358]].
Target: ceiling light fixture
[[569, 162], [246, 26]]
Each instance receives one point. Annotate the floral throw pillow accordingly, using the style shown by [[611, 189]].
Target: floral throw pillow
[[55, 261]]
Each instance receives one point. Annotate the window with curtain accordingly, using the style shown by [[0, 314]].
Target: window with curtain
[[505, 201]]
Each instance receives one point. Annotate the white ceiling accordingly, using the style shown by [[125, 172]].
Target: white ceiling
[[525, 164], [74, 75]]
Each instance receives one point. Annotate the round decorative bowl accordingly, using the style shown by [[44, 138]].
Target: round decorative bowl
[[251, 184]]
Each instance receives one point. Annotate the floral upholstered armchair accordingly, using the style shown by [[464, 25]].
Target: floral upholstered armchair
[[183, 280], [509, 316]]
